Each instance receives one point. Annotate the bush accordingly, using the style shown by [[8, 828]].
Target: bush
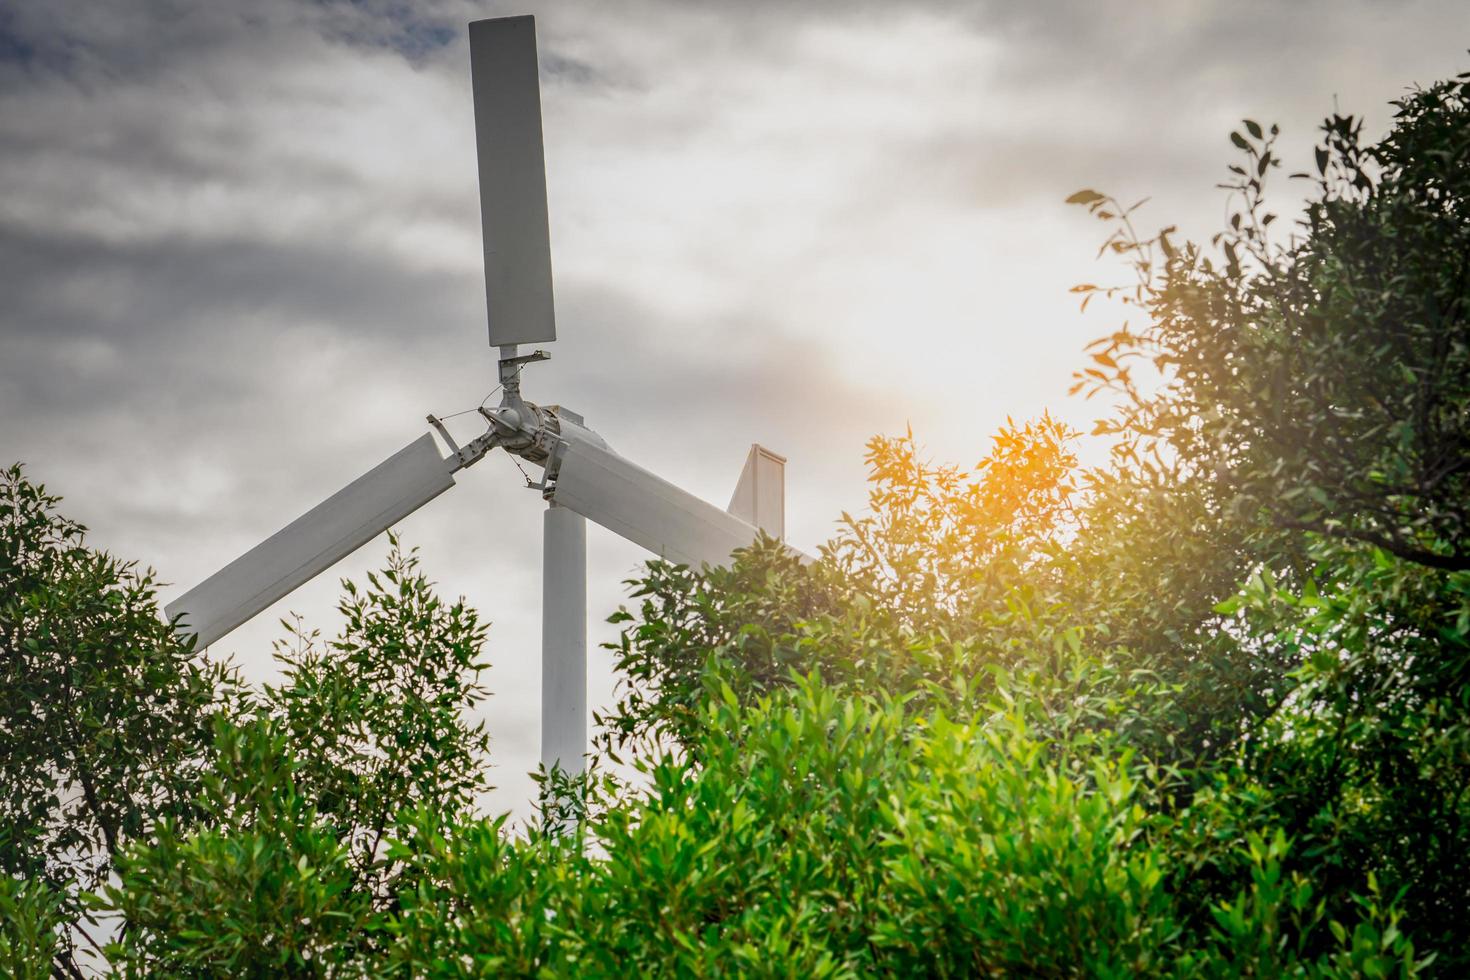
[[830, 834], [31, 923]]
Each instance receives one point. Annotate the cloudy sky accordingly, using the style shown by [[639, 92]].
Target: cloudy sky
[[240, 257]]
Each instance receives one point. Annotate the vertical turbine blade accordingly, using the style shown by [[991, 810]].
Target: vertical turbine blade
[[513, 219], [314, 542]]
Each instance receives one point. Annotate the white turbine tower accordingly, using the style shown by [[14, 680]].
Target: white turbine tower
[[582, 477]]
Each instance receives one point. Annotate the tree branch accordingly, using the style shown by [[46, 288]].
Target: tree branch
[[1458, 562]]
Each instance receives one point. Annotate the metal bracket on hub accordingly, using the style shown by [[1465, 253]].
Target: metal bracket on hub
[[511, 363], [473, 452], [535, 355]]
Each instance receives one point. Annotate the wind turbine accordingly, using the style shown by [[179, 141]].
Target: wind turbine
[[582, 477]]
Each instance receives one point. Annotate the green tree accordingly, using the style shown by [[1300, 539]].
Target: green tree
[[237, 816], [1321, 390], [1323, 382], [833, 834], [104, 714], [31, 929], [1266, 584], [291, 870]]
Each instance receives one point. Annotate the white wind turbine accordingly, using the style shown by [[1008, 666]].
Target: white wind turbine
[[582, 477]]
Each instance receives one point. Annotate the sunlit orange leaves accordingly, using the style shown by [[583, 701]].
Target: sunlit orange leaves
[[935, 531]]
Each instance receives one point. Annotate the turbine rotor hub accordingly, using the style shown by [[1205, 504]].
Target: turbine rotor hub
[[525, 429]]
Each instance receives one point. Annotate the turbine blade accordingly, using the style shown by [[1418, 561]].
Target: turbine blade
[[760, 496], [646, 509], [314, 542], [507, 94]]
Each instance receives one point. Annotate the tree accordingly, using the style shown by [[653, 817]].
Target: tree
[[1320, 389], [828, 834], [125, 752], [291, 869], [104, 714], [1323, 383], [1266, 586]]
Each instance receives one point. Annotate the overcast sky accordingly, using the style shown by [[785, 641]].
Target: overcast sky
[[240, 256]]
